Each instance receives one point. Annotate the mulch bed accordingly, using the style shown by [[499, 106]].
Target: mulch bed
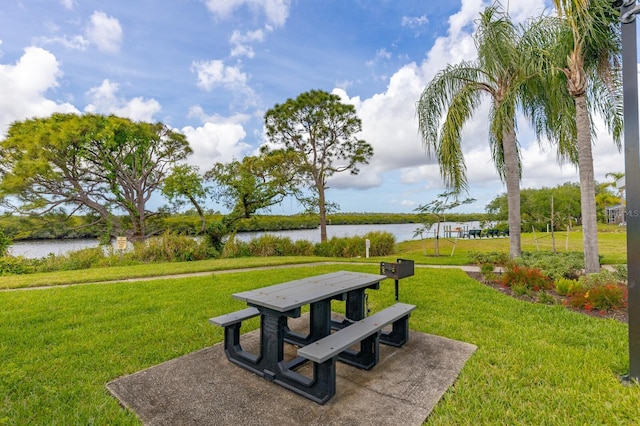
[[618, 315]]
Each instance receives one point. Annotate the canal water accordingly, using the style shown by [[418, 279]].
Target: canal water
[[402, 232]]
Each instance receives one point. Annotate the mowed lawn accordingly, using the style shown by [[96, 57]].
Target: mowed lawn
[[535, 364]]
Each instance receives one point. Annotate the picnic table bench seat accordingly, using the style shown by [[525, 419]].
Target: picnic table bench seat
[[367, 332], [235, 317], [232, 323]]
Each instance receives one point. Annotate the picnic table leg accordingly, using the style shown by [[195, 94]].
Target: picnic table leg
[[272, 332], [355, 309], [399, 334], [319, 325], [368, 355], [235, 353]]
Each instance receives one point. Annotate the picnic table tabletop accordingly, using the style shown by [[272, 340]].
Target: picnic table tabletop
[[293, 294]]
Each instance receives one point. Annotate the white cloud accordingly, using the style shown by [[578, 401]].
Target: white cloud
[[276, 12], [416, 23], [77, 42], [240, 42], [105, 100], [216, 142], [197, 112], [105, 32], [212, 74], [24, 88]]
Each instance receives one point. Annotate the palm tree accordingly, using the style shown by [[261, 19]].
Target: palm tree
[[501, 71], [587, 55]]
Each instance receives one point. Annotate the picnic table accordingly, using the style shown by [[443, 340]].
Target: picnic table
[[277, 303]]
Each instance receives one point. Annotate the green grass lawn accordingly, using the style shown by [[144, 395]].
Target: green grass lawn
[[535, 364]]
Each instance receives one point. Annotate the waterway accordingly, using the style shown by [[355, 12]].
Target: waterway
[[402, 232]]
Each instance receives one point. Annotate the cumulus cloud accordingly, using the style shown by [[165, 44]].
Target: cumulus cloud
[[105, 32], [222, 141], [275, 12], [104, 99], [24, 86], [390, 126]]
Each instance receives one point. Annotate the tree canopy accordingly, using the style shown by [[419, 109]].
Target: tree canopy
[[89, 163], [322, 131]]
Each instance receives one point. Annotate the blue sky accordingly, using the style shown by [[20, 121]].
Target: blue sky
[[211, 68]]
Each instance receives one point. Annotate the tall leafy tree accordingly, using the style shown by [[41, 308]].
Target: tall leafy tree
[[183, 185], [322, 131], [247, 186], [254, 183], [92, 163], [501, 72], [587, 55]]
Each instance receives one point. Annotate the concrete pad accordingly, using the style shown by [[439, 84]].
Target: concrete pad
[[204, 388]]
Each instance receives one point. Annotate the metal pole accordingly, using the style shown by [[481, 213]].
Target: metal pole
[[632, 181]]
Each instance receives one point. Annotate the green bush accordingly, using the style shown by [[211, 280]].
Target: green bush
[[302, 248], [567, 286], [554, 265], [621, 272], [271, 245], [10, 265], [235, 248], [599, 279], [5, 242], [496, 258], [71, 261], [170, 247], [382, 244]]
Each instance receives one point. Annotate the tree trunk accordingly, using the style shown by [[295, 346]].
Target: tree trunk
[[512, 180], [323, 214], [587, 186]]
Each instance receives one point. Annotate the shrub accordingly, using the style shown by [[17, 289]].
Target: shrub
[[382, 244], [302, 248], [554, 265], [235, 248], [71, 261], [170, 247], [600, 291], [567, 286], [530, 278], [271, 245], [10, 265], [5, 242], [621, 272], [599, 279], [546, 298], [520, 289], [491, 257], [603, 298], [486, 269]]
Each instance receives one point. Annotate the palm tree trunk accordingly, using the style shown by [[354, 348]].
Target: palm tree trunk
[[587, 186], [512, 180]]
